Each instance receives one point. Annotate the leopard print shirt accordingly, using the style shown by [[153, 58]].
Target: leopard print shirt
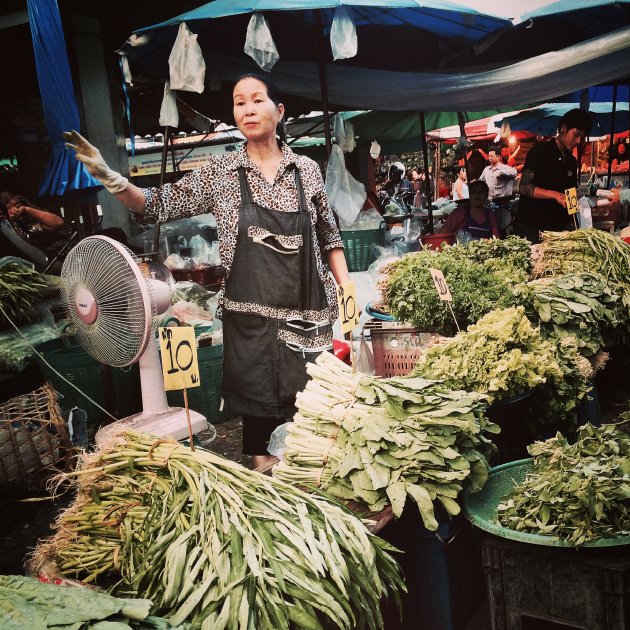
[[214, 188]]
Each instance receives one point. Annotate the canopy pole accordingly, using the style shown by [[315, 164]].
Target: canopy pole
[[462, 133], [156, 235], [323, 82], [611, 146], [427, 175]]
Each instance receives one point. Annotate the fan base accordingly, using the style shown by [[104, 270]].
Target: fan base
[[172, 424]]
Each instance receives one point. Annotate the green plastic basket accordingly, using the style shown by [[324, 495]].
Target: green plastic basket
[[359, 247], [121, 397], [205, 399]]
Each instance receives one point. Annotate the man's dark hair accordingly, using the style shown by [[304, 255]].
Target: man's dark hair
[[577, 119], [496, 149], [272, 92], [478, 183]]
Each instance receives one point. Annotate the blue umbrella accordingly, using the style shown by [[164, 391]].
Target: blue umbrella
[[543, 120], [63, 173]]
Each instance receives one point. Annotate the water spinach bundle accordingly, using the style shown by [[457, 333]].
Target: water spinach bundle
[[215, 545], [581, 305], [379, 441], [575, 492]]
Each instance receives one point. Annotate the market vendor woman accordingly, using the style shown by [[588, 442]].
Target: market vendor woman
[[473, 216], [277, 239]]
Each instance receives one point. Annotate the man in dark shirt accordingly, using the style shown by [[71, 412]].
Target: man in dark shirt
[[550, 168]]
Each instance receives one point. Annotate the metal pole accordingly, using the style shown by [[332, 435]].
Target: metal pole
[[462, 131], [323, 83], [611, 146], [156, 235], [427, 176]]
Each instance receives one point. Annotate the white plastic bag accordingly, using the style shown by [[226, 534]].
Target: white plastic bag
[[169, 116], [345, 194], [126, 70], [343, 34], [344, 134], [375, 149], [259, 44], [186, 64], [586, 218]]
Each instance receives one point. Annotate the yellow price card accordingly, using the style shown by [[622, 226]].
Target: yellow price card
[[570, 195], [348, 309], [178, 349], [440, 285]]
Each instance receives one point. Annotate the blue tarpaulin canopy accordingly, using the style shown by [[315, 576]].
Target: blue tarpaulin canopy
[[63, 173]]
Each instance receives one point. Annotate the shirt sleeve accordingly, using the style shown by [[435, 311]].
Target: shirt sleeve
[[189, 196], [326, 228], [508, 172], [482, 177], [455, 221]]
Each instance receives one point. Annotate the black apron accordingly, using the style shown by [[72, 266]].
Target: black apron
[[273, 306]]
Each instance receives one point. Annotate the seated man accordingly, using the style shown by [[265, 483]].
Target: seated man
[[498, 176], [473, 217], [39, 227]]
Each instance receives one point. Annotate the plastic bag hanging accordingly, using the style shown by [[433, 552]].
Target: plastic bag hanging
[[169, 116], [343, 34], [345, 194], [375, 150], [126, 70], [186, 64], [259, 44], [344, 133]]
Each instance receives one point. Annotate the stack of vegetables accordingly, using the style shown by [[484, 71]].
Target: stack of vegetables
[[480, 276], [581, 305], [576, 492], [563, 253], [28, 603], [216, 545], [378, 441], [20, 289], [503, 355]]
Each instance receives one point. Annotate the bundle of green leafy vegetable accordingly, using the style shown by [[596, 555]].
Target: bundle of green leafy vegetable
[[563, 253], [581, 305], [379, 441], [502, 356], [215, 545], [512, 251], [575, 492], [20, 289], [28, 603], [477, 288]]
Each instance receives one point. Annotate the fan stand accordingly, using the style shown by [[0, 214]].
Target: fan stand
[[156, 417]]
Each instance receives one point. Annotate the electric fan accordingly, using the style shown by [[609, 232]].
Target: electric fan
[[113, 302]]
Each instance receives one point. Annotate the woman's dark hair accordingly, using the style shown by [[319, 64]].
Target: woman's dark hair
[[272, 92], [478, 183], [577, 119]]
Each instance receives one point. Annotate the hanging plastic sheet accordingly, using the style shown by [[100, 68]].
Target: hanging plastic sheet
[[63, 173], [259, 44], [343, 34]]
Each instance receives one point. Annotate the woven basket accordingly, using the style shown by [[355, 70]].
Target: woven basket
[[34, 440]]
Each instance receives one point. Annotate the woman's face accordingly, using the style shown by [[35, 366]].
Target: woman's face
[[255, 114]]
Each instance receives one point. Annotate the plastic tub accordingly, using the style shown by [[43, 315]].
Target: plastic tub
[[434, 241]]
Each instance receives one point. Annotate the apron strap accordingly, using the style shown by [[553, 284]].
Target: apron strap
[[246, 194]]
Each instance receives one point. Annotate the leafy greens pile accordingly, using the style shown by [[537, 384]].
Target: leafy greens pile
[[576, 492], [580, 305], [380, 440], [20, 289], [477, 285], [28, 603], [214, 545], [503, 355]]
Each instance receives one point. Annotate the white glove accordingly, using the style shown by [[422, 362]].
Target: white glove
[[90, 156]]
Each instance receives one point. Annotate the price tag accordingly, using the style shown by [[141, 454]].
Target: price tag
[[179, 357], [570, 195], [440, 285], [348, 310]]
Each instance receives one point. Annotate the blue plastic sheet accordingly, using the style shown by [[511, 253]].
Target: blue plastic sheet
[[63, 173]]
